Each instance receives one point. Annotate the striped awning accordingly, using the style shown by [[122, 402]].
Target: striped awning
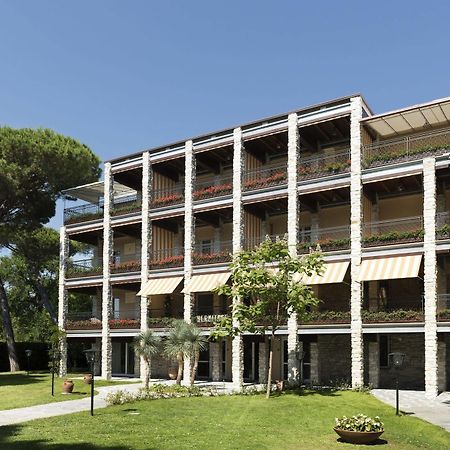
[[390, 268], [206, 282], [158, 286], [332, 273]]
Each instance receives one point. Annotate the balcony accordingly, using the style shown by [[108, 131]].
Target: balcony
[[408, 148], [394, 231], [443, 309], [83, 213], [85, 320], [404, 309], [213, 253], [329, 239], [252, 242], [265, 177], [324, 165], [126, 205], [208, 316], [443, 225], [126, 263], [166, 258], [84, 268], [325, 317], [216, 187], [168, 196], [125, 319], [160, 318]]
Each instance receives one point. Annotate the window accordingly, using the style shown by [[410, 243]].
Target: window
[[384, 350], [206, 247]]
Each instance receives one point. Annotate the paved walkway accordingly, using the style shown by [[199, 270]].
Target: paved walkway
[[436, 411]]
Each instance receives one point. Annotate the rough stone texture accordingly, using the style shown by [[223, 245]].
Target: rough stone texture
[[106, 287], [355, 237], [314, 227], [146, 238], [430, 277], [292, 228], [161, 365], [374, 364], [263, 362], [189, 239], [215, 361], [442, 372], [237, 359], [334, 358], [62, 297], [314, 363]]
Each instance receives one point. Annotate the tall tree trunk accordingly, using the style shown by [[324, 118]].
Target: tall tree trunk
[[45, 301], [269, 370], [180, 367], [8, 330], [194, 367]]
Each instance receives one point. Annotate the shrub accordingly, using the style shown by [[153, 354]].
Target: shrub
[[359, 422], [212, 191]]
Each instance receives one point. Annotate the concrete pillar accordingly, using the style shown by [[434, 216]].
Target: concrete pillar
[[292, 228], [146, 242], [237, 348], [62, 298], [314, 227], [374, 364], [263, 362], [189, 239], [314, 363], [215, 361], [107, 257], [442, 369], [430, 277], [355, 238]]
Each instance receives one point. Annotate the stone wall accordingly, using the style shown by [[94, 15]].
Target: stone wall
[[334, 358]]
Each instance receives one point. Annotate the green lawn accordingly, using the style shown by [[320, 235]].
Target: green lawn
[[290, 421], [19, 389]]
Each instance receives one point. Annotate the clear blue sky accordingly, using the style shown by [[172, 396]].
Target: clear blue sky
[[122, 76]]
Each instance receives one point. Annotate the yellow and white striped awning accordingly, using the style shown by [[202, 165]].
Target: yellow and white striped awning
[[158, 286], [390, 268], [206, 282], [332, 273]]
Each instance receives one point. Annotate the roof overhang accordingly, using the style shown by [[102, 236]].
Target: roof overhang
[[417, 118], [92, 192]]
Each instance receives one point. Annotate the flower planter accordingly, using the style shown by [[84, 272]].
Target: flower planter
[[87, 379], [358, 437], [67, 386]]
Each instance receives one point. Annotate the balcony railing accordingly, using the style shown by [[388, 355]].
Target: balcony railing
[[443, 225], [208, 316], [83, 213], [443, 308], [126, 205], [163, 317], [329, 239], [85, 320], [126, 263], [168, 196], [408, 148], [215, 187], [264, 177], [252, 242], [215, 252], [324, 165], [127, 318], [84, 268], [394, 309], [167, 257], [394, 231]]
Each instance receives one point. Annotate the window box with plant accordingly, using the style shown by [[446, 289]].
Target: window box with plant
[[212, 258], [80, 272], [166, 200], [126, 266], [394, 237], [308, 171], [124, 323], [273, 180], [169, 261], [126, 208], [90, 324], [213, 191]]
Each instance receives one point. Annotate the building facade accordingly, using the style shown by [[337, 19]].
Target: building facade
[[372, 190]]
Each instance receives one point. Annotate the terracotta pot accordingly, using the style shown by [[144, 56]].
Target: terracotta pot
[[173, 372], [67, 386], [358, 437], [88, 378]]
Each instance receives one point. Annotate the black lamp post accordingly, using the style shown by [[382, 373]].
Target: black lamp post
[[301, 357], [54, 354], [28, 353], [90, 358], [397, 360]]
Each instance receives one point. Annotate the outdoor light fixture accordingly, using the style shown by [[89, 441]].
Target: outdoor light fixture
[[53, 353], [90, 358], [28, 353], [397, 360]]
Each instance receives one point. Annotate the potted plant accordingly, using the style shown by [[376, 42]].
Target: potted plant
[[67, 386], [359, 429]]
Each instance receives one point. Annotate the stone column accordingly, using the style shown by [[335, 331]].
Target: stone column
[[108, 248], [215, 361], [62, 298], [430, 277], [314, 363], [441, 362], [355, 238], [314, 227], [374, 364], [292, 227], [262, 362], [189, 240], [146, 242], [237, 349]]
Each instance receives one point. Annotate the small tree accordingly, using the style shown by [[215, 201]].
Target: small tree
[[146, 345], [174, 345], [264, 297]]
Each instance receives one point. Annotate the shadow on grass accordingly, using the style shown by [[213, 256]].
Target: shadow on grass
[[7, 441], [21, 378], [300, 392], [372, 444]]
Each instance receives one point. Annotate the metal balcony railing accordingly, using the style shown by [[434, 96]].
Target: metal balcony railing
[[385, 232], [126, 205], [443, 225], [264, 177], [215, 187], [208, 316], [443, 307], [329, 239], [83, 213], [168, 196], [407, 148], [167, 257], [125, 314], [126, 263], [323, 165], [85, 320], [84, 267], [252, 242], [213, 252]]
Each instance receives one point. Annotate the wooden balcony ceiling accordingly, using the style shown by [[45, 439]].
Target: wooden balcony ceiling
[[172, 168], [132, 287], [269, 147], [394, 187], [323, 199], [129, 230], [87, 237], [214, 161], [214, 218], [172, 224], [131, 178], [88, 290], [274, 207]]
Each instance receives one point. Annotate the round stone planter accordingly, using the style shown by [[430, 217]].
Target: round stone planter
[[67, 386], [358, 437]]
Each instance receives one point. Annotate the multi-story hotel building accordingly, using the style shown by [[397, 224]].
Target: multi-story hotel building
[[372, 190]]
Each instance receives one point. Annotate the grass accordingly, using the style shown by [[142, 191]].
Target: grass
[[291, 421], [19, 389]]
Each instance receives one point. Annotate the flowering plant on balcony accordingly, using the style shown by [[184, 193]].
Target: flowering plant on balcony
[[90, 324], [394, 236], [274, 179], [330, 168], [76, 218], [326, 317], [443, 232], [126, 208], [124, 323], [169, 261], [444, 315], [212, 191], [399, 315], [128, 266], [80, 271], [167, 200], [324, 244], [209, 258]]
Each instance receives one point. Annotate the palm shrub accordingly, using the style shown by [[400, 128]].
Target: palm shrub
[[174, 345], [146, 345], [195, 342]]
